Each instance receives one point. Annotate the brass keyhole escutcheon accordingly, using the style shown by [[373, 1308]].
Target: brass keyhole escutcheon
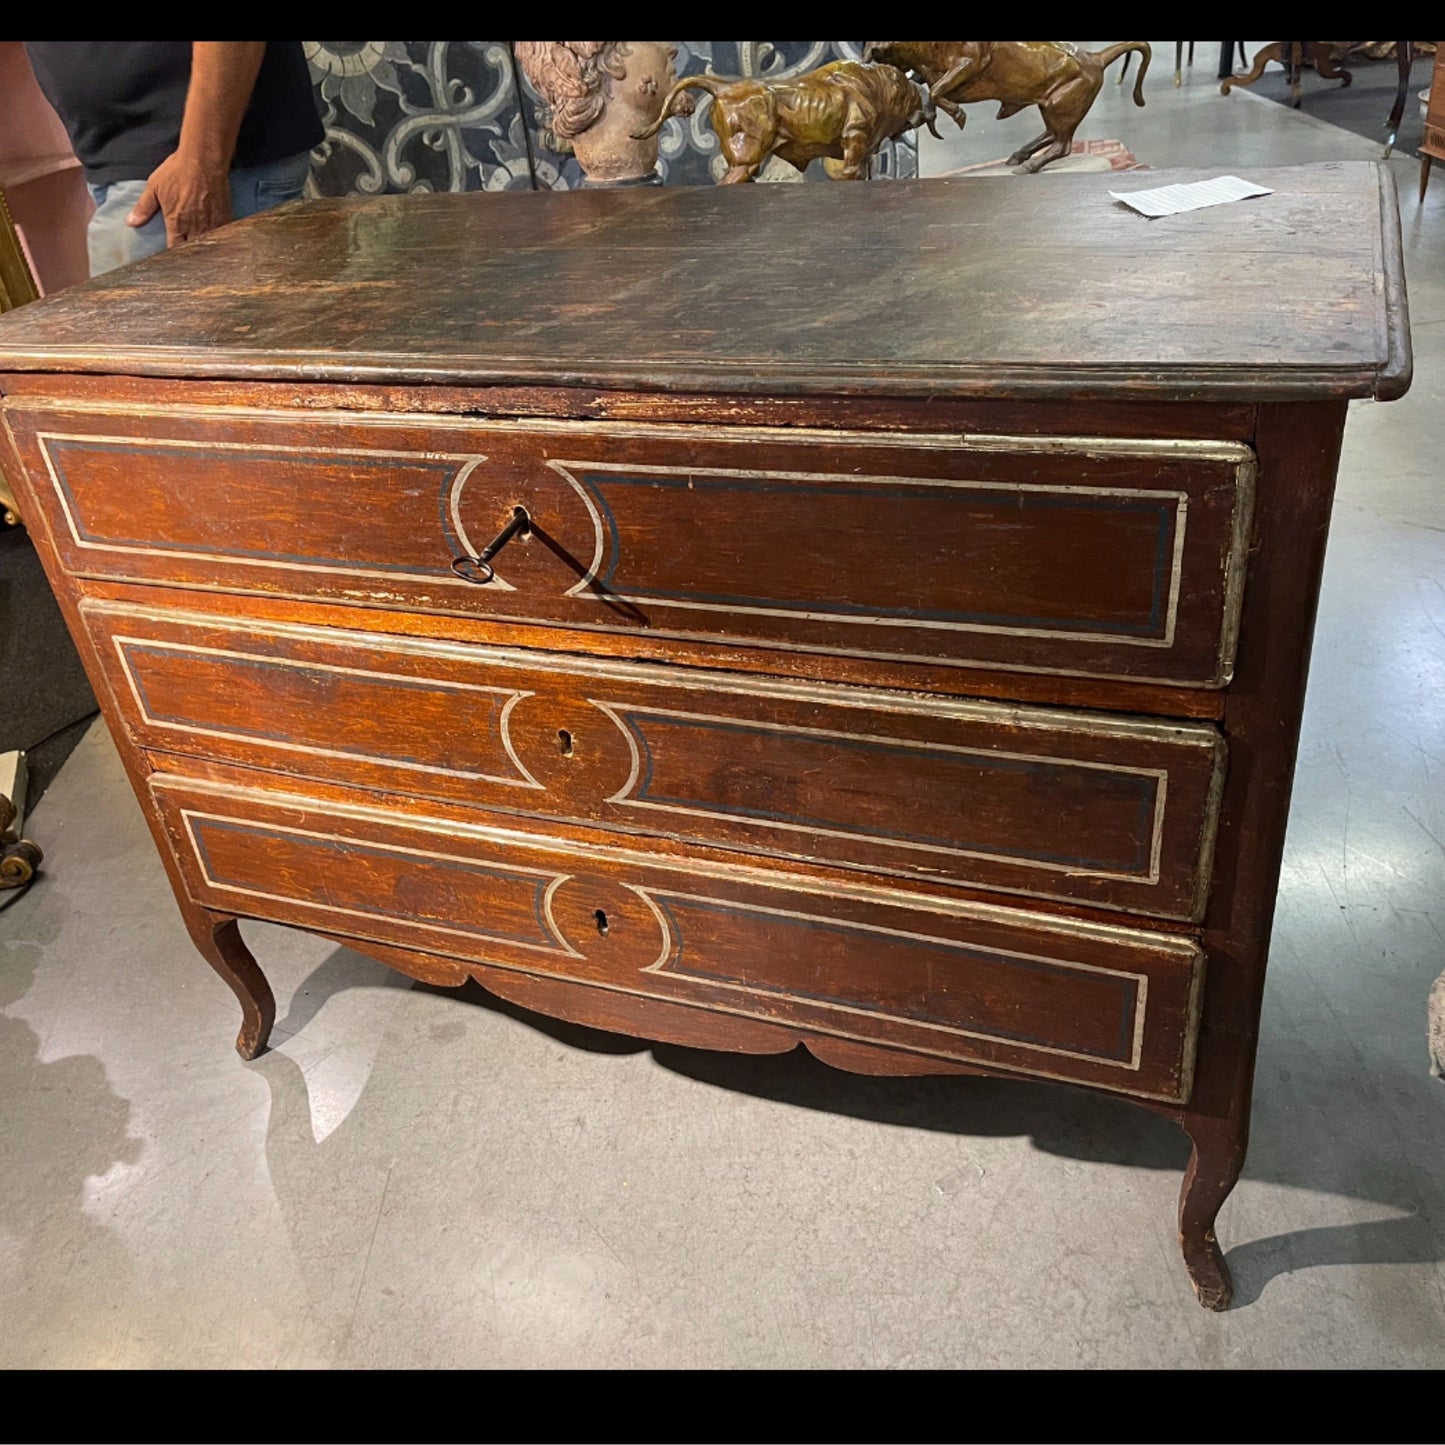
[[564, 742], [601, 919]]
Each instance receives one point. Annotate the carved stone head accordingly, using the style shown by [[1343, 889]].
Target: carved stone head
[[598, 93]]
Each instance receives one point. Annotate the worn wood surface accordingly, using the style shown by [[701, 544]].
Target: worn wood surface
[[1096, 557], [1040, 801], [817, 874], [1114, 1007], [215, 934], [318, 730], [1299, 449], [947, 287], [1220, 421], [1050, 690]]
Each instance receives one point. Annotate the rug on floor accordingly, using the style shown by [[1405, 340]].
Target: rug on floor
[[1087, 155]]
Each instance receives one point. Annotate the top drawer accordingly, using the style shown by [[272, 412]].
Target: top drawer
[[1079, 556]]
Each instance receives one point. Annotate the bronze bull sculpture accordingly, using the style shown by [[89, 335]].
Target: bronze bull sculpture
[[1053, 75], [840, 113]]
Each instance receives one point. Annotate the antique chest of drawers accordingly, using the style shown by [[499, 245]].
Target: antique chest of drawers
[[869, 617]]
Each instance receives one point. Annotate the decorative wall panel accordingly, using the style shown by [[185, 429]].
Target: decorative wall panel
[[457, 115]]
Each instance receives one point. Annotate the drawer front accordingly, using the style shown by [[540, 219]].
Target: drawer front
[[1073, 556], [1110, 811], [1114, 1007]]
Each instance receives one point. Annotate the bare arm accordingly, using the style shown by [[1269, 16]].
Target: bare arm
[[191, 187]]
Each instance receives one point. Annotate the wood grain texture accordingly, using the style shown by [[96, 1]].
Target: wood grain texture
[[1299, 449], [1045, 802], [1146, 699], [1128, 418], [811, 875], [750, 832], [916, 288], [668, 1023], [1082, 556], [1114, 1007]]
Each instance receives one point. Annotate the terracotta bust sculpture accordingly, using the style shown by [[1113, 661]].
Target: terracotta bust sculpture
[[599, 94]]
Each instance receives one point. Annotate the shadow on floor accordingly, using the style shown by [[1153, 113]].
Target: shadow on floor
[[1067, 1122], [56, 1244]]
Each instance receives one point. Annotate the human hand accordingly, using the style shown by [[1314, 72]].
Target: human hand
[[193, 196]]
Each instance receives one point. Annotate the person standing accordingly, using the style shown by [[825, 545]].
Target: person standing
[[178, 137]]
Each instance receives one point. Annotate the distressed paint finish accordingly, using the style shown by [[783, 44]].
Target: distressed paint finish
[[1047, 802], [1020, 848], [1092, 557], [963, 287], [1112, 1006]]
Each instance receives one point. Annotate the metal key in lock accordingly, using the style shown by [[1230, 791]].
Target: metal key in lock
[[479, 569]]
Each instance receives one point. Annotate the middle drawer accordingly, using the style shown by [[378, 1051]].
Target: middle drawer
[[1117, 812]]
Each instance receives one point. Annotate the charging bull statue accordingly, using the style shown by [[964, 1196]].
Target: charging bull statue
[[1060, 79], [840, 113]]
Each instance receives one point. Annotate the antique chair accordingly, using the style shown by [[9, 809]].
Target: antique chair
[[1226, 59], [1432, 148]]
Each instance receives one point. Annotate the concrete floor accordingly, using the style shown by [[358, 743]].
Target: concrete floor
[[414, 1177]]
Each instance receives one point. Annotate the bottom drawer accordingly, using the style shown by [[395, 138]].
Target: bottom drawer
[[1109, 1006]]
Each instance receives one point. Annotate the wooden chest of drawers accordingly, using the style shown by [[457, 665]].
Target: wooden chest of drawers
[[898, 643]]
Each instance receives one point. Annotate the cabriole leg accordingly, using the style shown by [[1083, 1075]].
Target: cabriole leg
[[1214, 1165], [219, 941]]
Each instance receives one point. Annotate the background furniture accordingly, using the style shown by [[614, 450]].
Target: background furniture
[[1226, 59], [1397, 111], [1432, 148], [17, 286], [19, 857], [44, 206], [1326, 57], [1294, 55], [41, 177], [911, 668], [1226, 56]]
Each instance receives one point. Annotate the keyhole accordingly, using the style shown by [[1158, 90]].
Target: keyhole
[[601, 918], [564, 742]]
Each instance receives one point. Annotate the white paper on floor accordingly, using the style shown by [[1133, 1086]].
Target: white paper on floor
[[1190, 196]]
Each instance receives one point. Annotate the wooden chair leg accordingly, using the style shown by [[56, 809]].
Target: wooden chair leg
[[1276, 50], [1424, 176], [1326, 66], [1397, 111]]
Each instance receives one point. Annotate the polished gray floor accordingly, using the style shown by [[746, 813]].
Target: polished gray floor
[[414, 1177]]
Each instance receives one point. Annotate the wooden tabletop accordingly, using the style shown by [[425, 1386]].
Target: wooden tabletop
[[1027, 285]]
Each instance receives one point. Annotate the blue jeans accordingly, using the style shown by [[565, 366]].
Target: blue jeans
[[112, 243]]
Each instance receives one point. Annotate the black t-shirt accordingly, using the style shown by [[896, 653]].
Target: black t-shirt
[[121, 102]]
